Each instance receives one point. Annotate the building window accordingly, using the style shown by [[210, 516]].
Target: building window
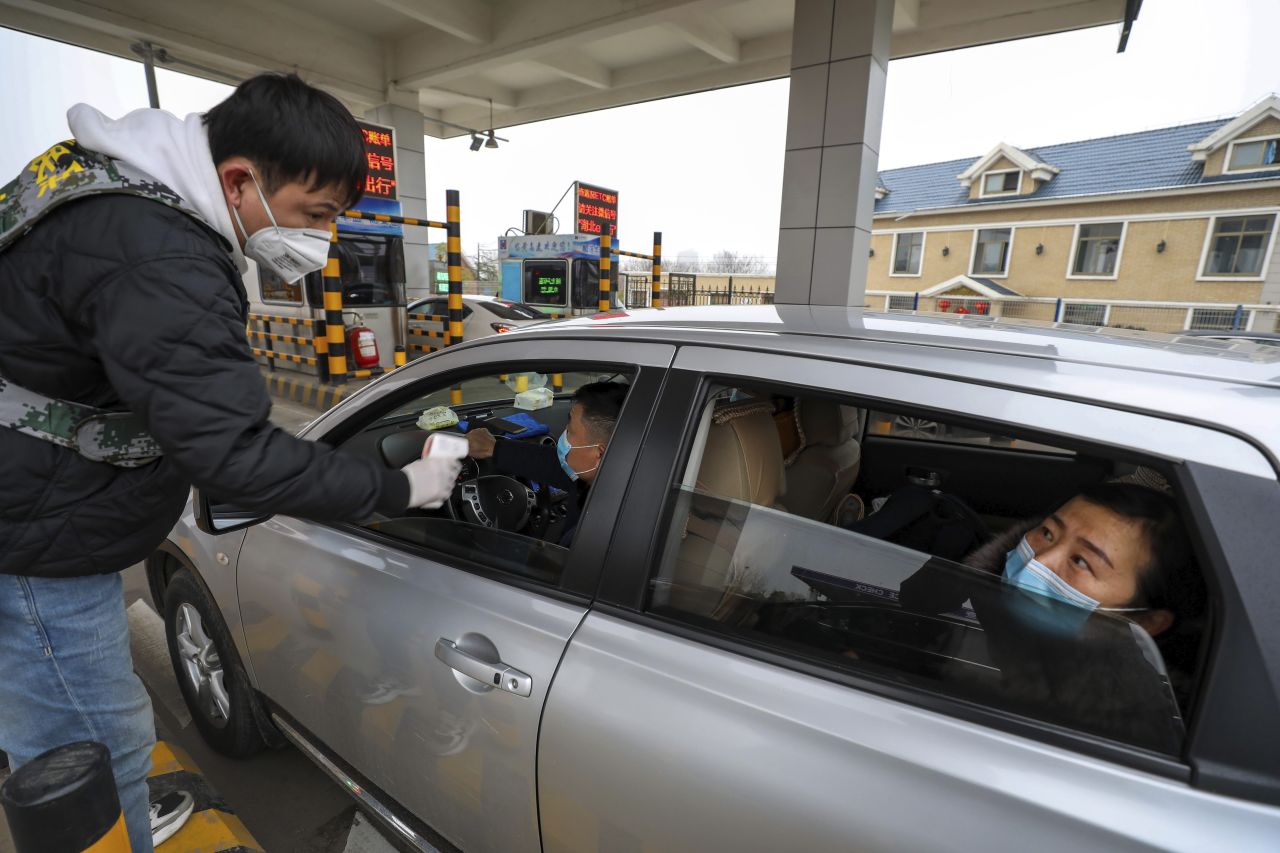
[[908, 253], [276, 289], [1084, 313], [1098, 249], [1218, 319], [1254, 154], [1238, 245], [1001, 183], [902, 303], [991, 251]]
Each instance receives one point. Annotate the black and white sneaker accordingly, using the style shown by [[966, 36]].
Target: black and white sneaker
[[168, 814]]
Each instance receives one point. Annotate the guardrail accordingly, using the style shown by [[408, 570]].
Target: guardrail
[[310, 350]]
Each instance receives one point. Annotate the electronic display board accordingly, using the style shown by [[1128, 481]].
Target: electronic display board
[[546, 282], [380, 153], [595, 210]]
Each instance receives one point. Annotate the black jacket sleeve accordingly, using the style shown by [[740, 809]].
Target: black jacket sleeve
[[170, 332]]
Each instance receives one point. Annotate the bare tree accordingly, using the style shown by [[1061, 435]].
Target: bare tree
[[634, 265], [734, 263]]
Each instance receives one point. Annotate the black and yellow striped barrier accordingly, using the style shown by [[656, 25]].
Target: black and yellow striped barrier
[[317, 342], [398, 220], [606, 271], [606, 259], [453, 212], [335, 326], [285, 356], [280, 318], [287, 339], [212, 827], [453, 322], [655, 291]]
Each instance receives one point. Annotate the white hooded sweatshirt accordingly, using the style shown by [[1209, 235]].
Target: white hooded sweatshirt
[[173, 151]]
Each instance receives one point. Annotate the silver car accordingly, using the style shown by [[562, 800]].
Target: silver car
[[778, 619]]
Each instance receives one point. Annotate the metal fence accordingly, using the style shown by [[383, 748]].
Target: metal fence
[[687, 293], [1115, 314]]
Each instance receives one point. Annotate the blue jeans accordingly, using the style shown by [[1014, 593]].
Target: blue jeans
[[66, 675]]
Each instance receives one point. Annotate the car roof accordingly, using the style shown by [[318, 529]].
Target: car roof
[[1224, 384]]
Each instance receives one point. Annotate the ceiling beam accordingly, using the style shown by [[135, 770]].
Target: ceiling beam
[[528, 33], [579, 69], [479, 92], [763, 58], [469, 20], [708, 35], [344, 62]]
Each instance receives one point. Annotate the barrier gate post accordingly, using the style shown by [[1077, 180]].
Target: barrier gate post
[[65, 801], [655, 288], [606, 270], [334, 326], [454, 248]]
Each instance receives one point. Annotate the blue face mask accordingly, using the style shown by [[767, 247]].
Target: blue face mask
[[562, 451], [1024, 571]]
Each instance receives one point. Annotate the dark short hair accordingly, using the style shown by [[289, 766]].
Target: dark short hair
[[1170, 580], [292, 132], [601, 402]]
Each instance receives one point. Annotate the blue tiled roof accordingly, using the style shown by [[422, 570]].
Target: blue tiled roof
[[996, 286], [1131, 162]]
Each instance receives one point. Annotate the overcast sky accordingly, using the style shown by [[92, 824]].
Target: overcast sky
[[707, 169]]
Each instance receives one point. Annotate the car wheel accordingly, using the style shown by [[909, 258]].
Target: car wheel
[[213, 681]]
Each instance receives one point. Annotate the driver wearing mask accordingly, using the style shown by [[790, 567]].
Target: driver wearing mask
[[572, 465]]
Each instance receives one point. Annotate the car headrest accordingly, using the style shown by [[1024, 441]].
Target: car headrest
[[826, 422], [743, 457]]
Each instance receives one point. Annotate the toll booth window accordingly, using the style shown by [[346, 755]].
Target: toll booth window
[[276, 289], [366, 271], [586, 284], [544, 282]]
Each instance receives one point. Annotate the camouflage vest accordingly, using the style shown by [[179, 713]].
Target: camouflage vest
[[64, 173]]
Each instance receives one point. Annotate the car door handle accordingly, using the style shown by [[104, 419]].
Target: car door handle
[[496, 674]]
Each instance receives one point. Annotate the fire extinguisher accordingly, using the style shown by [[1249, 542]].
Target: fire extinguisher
[[362, 344]]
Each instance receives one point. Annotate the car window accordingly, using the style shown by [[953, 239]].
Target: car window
[[505, 310], [919, 428], [800, 544], [516, 510]]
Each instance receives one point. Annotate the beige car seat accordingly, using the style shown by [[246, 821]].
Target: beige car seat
[[742, 460], [825, 467]]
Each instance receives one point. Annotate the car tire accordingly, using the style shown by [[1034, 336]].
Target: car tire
[[214, 683]]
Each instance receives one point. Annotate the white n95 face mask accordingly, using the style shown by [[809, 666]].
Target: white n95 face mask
[[290, 253]]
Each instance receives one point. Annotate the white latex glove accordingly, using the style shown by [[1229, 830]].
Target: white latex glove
[[432, 477]]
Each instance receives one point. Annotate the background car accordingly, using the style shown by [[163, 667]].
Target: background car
[[713, 664], [482, 316]]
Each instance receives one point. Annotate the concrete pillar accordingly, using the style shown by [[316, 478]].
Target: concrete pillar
[[411, 165], [839, 63]]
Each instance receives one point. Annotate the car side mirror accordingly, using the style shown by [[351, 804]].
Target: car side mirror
[[218, 518]]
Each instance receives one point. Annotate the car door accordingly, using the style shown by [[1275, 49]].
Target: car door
[[420, 664], [686, 723]]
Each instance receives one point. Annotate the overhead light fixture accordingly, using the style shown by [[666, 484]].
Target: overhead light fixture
[[491, 142], [476, 142]]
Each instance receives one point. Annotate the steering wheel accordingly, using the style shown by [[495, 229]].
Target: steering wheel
[[492, 500]]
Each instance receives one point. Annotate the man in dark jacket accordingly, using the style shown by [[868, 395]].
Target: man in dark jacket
[[130, 298], [573, 465]]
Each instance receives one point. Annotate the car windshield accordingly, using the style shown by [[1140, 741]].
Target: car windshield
[[513, 310]]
